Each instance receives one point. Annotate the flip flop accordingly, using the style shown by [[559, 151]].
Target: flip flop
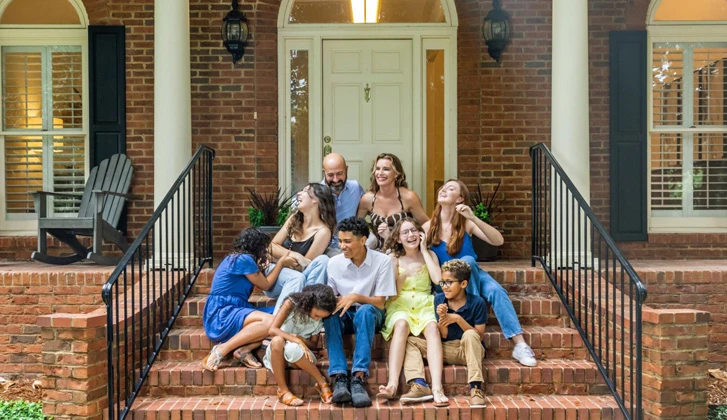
[[387, 392], [247, 359], [324, 390], [438, 394], [212, 361]]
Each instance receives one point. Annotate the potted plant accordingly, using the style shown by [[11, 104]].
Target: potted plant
[[486, 207], [268, 210]]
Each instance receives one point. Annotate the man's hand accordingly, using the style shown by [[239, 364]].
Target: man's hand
[[448, 319], [345, 302]]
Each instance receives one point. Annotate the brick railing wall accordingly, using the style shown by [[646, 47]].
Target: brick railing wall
[[35, 289], [675, 364]]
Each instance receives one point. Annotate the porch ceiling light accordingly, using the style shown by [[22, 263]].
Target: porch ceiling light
[[235, 32], [496, 30]]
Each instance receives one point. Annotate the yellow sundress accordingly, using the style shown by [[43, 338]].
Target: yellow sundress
[[415, 304]]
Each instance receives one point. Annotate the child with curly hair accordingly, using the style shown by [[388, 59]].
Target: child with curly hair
[[295, 332], [228, 318]]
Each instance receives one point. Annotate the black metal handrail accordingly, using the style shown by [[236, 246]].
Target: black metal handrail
[[145, 293], [589, 274]]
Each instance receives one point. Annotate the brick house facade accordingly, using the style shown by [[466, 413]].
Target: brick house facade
[[502, 110]]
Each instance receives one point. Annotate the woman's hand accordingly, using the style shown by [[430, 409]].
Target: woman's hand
[[384, 231], [465, 211], [301, 342], [288, 262], [423, 241]]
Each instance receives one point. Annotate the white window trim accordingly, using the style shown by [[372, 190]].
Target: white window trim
[[661, 31], [40, 37], [311, 36]]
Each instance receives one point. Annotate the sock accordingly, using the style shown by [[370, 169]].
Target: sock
[[419, 381], [476, 385]]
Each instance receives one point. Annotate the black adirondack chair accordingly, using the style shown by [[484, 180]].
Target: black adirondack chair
[[102, 201]]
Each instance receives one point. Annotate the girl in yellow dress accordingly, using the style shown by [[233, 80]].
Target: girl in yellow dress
[[412, 311]]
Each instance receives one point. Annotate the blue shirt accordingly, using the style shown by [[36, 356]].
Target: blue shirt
[[474, 311], [347, 200]]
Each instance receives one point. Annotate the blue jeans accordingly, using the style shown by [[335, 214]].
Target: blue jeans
[[291, 281], [363, 321], [482, 284]]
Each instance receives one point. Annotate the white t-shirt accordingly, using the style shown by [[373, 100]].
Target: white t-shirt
[[375, 276]]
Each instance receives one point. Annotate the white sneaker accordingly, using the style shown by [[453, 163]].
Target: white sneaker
[[524, 354]]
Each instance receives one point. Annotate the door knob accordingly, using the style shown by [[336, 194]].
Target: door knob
[[327, 139], [327, 149]]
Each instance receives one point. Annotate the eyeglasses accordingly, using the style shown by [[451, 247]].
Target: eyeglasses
[[408, 232], [447, 284]]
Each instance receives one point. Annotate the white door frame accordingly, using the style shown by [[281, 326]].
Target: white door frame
[[310, 37]]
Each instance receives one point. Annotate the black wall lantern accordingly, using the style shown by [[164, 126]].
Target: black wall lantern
[[496, 30], [235, 32]]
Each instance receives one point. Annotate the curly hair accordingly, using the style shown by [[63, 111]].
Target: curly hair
[[392, 244], [458, 268], [400, 180], [326, 209], [254, 242], [456, 239], [355, 225], [313, 296]]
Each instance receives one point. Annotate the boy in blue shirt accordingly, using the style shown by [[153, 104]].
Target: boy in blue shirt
[[461, 321]]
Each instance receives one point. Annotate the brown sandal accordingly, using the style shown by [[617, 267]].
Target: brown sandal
[[324, 390], [290, 400]]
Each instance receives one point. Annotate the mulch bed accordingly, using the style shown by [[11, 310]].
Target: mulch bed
[[717, 387], [21, 389]]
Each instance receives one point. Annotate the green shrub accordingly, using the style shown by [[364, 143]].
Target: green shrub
[[21, 410], [717, 413]]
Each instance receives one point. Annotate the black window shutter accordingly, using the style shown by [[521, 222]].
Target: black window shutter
[[107, 92], [107, 95], [628, 135]]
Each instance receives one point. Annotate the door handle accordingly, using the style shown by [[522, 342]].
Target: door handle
[[367, 93], [327, 149]]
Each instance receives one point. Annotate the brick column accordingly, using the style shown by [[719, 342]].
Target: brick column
[[675, 363], [74, 365]]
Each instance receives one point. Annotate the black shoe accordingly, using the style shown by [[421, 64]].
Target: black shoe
[[341, 394], [359, 396]]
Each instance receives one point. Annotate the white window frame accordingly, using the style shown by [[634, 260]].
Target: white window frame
[[310, 37], [680, 32], [47, 36]]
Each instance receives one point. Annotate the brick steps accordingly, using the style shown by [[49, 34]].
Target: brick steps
[[519, 407], [191, 344], [532, 309], [502, 377]]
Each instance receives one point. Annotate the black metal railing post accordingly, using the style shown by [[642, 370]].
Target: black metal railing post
[[172, 248], [599, 289]]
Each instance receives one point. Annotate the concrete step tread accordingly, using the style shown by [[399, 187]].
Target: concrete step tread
[[510, 407]]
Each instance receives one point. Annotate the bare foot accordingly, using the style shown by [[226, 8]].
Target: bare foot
[[387, 392], [440, 400]]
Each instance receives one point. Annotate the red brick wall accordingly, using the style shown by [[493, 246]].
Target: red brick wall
[[503, 109]]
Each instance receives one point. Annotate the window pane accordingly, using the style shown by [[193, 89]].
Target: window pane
[[709, 174], [299, 118], [68, 174], [23, 172], [367, 11], [709, 86], [692, 10], [22, 90], [435, 125], [667, 72], [666, 171], [67, 89], [40, 12]]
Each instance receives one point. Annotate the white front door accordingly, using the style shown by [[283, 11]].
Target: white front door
[[368, 104]]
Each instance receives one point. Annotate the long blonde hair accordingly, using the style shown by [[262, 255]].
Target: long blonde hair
[[400, 180], [454, 244]]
